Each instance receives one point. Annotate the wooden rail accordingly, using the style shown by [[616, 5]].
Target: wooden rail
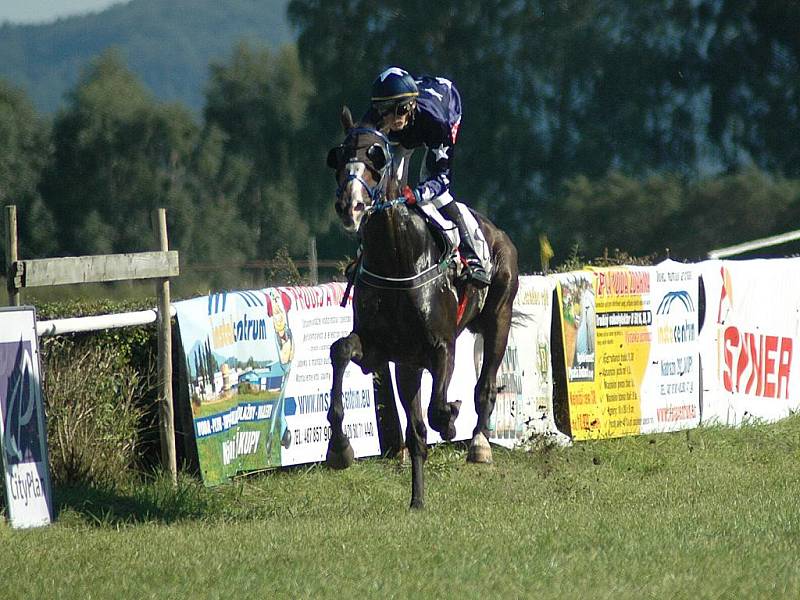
[[159, 266], [94, 269]]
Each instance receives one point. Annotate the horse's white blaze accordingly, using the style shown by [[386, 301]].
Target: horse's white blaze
[[356, 193]]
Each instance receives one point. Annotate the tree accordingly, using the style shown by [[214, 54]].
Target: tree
[[118, 154], [24, 151], [732, 209], [551, 89], [257, 101], [754, 72], [618, 212]]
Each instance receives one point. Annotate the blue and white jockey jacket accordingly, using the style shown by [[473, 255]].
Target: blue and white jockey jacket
[[434, 125]]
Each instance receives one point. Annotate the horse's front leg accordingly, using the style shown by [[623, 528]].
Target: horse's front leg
[[408, 382], [343, 350], [441, 413]]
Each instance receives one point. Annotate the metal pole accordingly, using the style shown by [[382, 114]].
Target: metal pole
[[11, 254], [166, 408]]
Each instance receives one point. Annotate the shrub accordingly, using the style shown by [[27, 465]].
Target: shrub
[[100, 396], [96, 416]]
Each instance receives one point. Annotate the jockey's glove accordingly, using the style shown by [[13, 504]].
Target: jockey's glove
[[412, 196]]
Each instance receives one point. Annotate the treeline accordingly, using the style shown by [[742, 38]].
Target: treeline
[[615, 124], [167, 43]]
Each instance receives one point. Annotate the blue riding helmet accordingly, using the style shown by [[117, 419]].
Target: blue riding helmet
[[393, 87]]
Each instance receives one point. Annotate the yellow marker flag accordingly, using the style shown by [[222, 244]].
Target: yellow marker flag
[[545, 252]]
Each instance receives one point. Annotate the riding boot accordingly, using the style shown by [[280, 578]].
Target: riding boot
[[475, 270]]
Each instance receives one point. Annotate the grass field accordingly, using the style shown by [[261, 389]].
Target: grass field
[[711, 514]]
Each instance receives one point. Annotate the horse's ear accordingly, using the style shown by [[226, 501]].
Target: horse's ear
[[347, 119]]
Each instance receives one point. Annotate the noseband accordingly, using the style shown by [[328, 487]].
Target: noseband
[[378, 191]]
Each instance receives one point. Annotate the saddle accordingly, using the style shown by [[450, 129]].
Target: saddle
[[447, 238], [446, 231]]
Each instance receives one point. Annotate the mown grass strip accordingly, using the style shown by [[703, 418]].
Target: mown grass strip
[[712, 513]]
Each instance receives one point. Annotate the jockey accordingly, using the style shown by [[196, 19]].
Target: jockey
[[427, 112]]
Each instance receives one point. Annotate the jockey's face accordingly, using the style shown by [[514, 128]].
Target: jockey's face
[[398, 117]]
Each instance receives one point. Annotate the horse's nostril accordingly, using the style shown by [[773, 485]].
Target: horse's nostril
[[359, 207], [338, 208]]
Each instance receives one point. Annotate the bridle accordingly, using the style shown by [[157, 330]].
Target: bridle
[[377, 152]]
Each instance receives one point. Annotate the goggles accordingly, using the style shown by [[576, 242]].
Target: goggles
[[396, 108]]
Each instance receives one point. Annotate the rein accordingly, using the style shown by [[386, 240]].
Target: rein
[[412, 282]]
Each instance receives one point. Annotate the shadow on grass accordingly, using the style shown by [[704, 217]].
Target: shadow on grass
[[150, 502]]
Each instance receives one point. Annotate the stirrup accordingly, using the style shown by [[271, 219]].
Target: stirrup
[[477, 274]]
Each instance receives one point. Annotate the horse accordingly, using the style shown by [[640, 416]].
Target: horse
[[409, 305]]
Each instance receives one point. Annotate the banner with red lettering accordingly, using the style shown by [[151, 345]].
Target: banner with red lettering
[[748, 340]]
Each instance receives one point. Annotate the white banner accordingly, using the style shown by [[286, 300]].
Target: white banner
[[462, 387], [751, 326], [317, 321], [670, 398], [524, 406], [524, 403]]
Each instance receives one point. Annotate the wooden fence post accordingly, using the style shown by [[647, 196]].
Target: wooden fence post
[[11, 254], [313, 268], [166, 409]]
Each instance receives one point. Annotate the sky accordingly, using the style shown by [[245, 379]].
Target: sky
[[45, 11]]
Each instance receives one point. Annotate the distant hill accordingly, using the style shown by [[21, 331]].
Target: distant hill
[[167, 43]]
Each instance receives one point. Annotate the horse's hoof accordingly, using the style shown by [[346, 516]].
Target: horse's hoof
[[480, 451], [403, 457], [339, 459], [444, 421], [417, 504]]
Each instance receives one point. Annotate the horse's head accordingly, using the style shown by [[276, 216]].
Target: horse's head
[[363, 165]]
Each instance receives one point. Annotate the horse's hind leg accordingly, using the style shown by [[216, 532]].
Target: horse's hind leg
[[441, 413], [343, 350], [408, 382], [495, 338]]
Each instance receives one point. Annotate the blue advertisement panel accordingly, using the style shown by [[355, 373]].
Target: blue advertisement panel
[[23, 433]]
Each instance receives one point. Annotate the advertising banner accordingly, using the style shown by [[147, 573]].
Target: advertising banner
[[23, 433], [462, 387], [751, 327], [260, 378], [670, 398], [631, 353], [576, 299], [524, 402]]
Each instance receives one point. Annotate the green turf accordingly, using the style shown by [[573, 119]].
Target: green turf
[[710, 514]]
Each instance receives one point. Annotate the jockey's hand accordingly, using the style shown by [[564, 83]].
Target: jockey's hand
[[411, 196]]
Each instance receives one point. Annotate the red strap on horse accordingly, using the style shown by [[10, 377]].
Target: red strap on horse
[[462, 305]]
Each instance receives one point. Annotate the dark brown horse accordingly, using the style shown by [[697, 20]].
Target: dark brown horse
[[409, 304]]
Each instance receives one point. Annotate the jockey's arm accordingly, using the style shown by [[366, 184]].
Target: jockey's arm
[[438, 158]]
